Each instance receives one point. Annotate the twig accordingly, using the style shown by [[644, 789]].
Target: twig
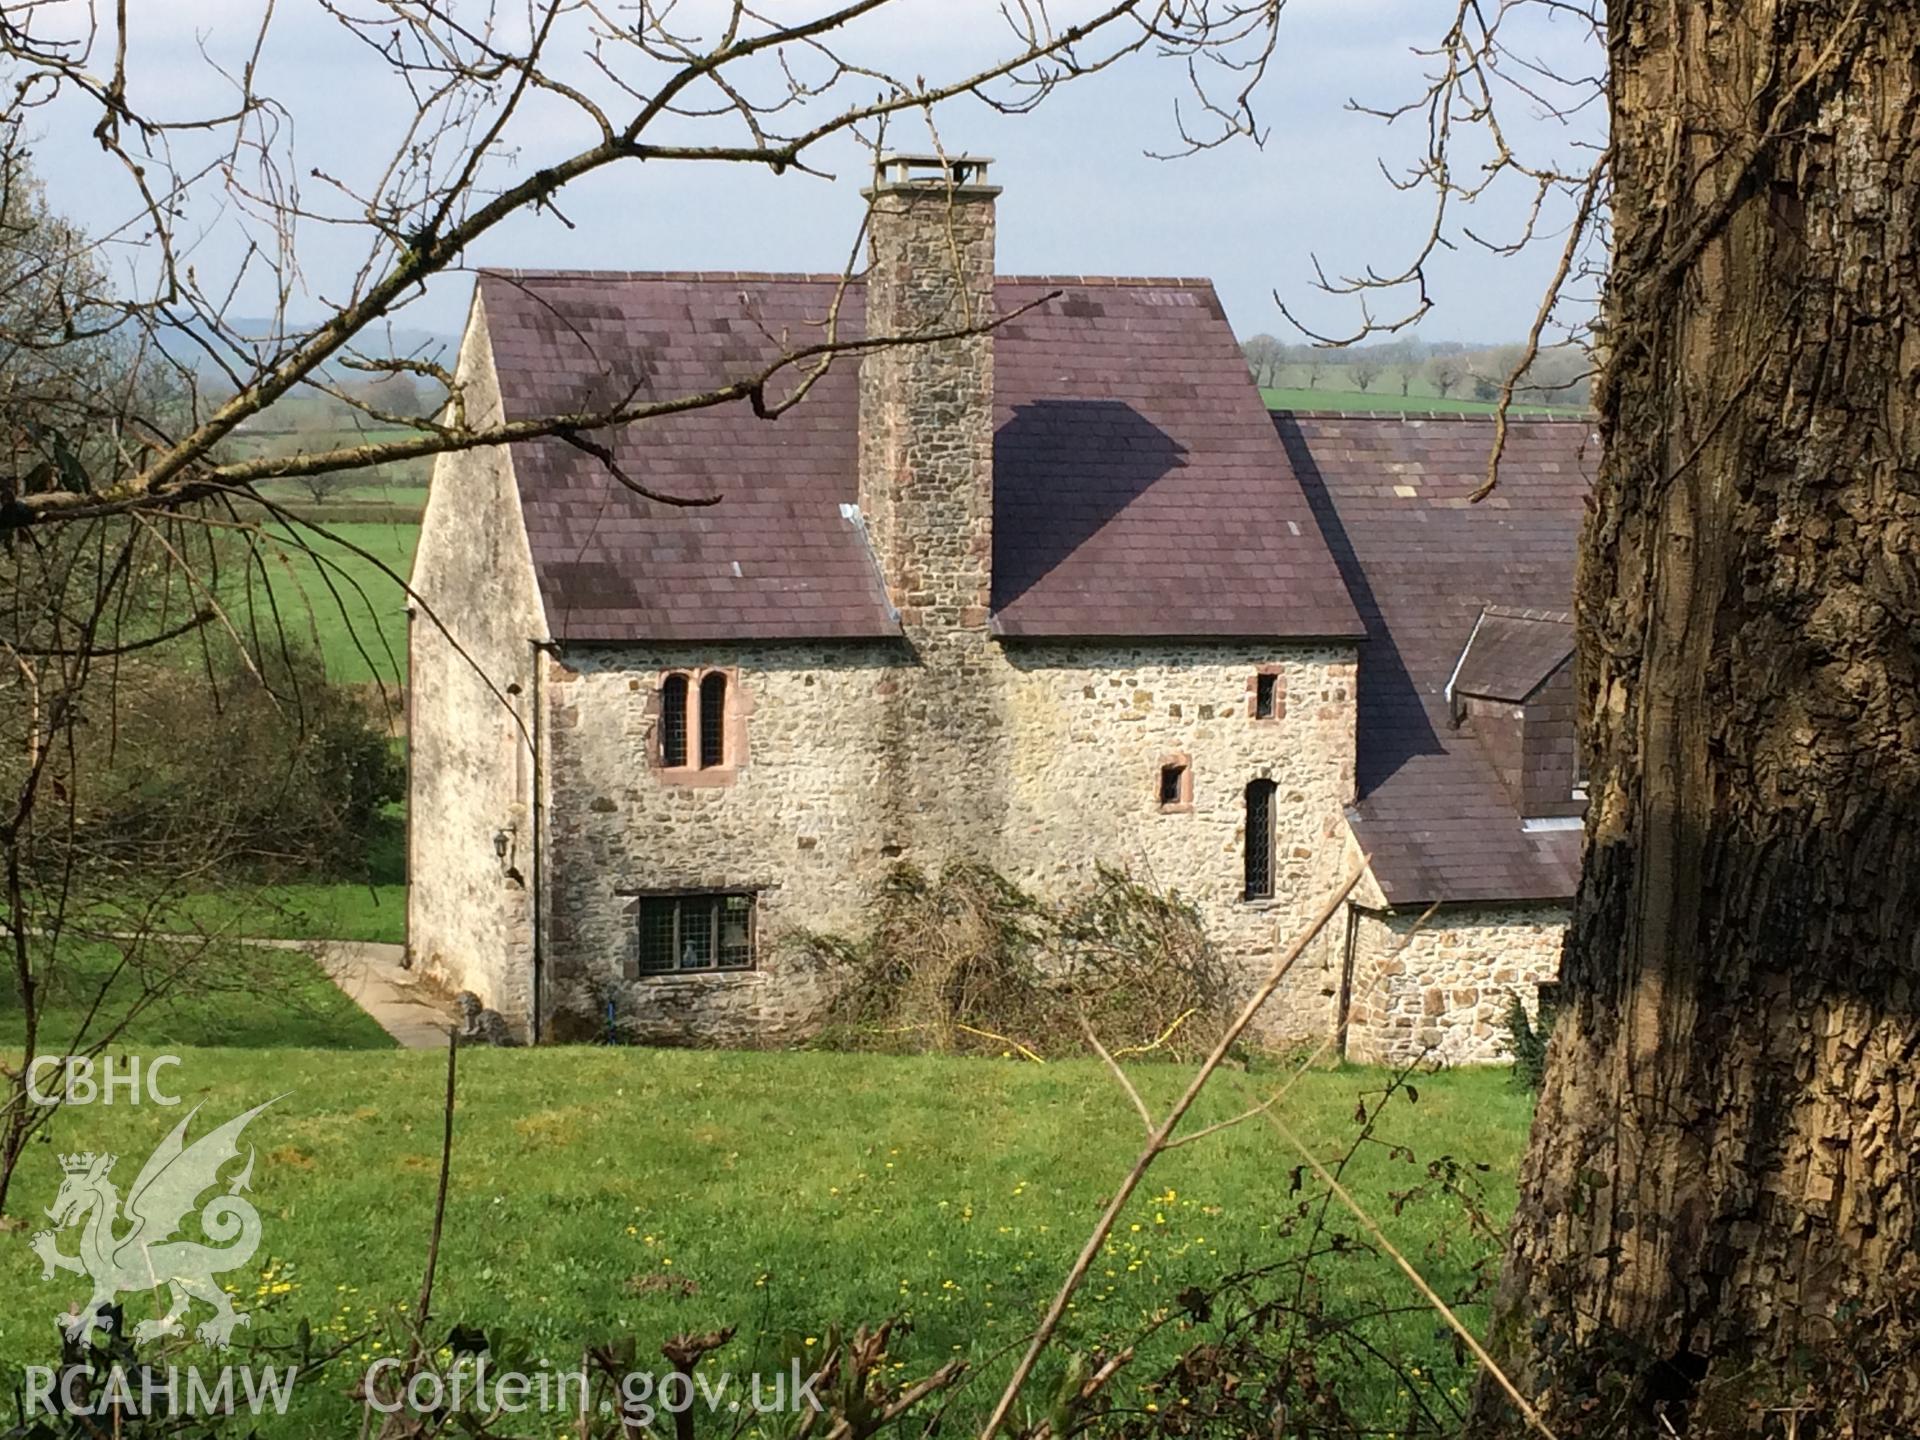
[[1095, 1383], [941, 1379], [1146, 1115], [1155, 1144], [1431, 1296], [1260, 1109], [998, 1039], [1162, 1038]]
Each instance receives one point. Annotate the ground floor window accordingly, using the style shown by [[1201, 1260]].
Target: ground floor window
[[708, 930], [1260, 840]]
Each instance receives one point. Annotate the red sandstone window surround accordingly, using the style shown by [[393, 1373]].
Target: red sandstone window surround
[[699, 729], [1268, 694]]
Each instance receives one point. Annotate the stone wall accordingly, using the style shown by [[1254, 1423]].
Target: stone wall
[[809, 821], [1441, 989], [469, 908], [1090, 725], [803, 821]]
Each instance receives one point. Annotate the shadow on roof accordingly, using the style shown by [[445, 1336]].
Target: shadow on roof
[[1061, 470], [1385, 686]]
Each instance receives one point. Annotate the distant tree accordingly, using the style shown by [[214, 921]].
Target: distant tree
[[1365, 371], [314, 425], [323, 487], [397, 393], [1404, 374], [1485, 387], [1444, 373], [1265, 355], [1560, 375]]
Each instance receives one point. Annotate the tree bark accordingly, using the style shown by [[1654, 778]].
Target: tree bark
[[1717, 1224]]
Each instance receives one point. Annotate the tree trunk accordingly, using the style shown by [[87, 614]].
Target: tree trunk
[[1717, 1225]]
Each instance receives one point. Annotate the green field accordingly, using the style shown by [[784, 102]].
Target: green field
[[410, 494], [386, 481], [334, 587], [336, 910], [1384, 400], [607, 1193]]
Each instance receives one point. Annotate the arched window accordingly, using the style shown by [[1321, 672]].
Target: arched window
[[1260, 840], [673, 722], [713, 720]]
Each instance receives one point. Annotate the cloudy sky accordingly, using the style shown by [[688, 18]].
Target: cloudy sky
[[1082, 191]]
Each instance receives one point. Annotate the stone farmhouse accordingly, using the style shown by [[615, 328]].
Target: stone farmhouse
[[1047, 595]]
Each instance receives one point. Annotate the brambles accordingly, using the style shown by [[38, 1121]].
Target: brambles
[[972, 964]]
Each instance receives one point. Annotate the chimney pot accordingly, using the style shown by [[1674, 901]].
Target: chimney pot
[[936, 172]]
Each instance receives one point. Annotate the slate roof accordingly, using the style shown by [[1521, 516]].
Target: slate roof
[[1510, 653], [1139, 488], [1390, 494]]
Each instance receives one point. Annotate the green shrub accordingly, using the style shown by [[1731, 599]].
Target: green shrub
[[264, 769], [1527, 1037]]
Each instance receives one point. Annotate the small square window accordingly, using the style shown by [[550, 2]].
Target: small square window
[[1266, 696], [1176, 784], [1170, 783]]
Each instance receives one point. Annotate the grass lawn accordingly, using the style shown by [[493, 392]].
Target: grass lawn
[[305, 910], [244, 996], [334, 594], [1381, 400], [602, 1193], [372, 906]]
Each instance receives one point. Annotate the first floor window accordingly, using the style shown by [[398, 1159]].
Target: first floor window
[[1171, 777], [1260, 839], [707, 930], [673, 721], [1266, 696], [693, 722], [713, 720]]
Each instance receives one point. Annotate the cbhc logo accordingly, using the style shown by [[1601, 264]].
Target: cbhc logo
[[84, 1081]]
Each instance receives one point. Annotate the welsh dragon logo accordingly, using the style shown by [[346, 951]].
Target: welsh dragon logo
[[145, 1255]]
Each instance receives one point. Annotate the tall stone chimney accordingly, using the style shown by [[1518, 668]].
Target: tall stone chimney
[[926, 492], [926, 411]]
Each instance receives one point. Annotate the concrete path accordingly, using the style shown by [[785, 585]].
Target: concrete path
[[371, 976]]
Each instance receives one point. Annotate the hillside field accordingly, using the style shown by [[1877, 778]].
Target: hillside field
[[339, 588]]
